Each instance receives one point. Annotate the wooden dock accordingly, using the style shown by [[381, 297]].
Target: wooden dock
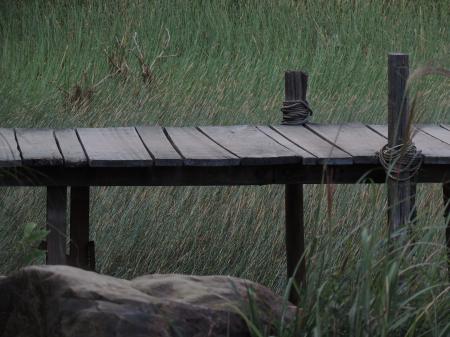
[[211, 155], [76, 159], [258, 155]]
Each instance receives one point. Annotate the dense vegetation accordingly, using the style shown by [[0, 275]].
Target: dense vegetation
[[111, 63]]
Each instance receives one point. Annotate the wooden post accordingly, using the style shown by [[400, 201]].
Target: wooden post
[[56, 224], [401, 194], [446, 193], [79, 226], [295, 89]]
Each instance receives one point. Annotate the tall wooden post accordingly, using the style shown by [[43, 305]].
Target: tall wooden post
[[401, 194], [79, 227], [56, 224], [295, 89], [446, 193]]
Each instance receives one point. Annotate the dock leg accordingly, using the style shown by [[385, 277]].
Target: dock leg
[[56, 224], [79, 227], [295, 241], [446, 193]]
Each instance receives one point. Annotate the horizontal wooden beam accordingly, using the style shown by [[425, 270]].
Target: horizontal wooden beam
[[209, 176]]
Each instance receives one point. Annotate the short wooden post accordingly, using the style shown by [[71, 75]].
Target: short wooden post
[[446, 194], [401, 194], [56, 224], [79, 226], [295, 89]]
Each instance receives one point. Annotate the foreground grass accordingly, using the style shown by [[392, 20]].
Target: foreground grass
[[78, 64]]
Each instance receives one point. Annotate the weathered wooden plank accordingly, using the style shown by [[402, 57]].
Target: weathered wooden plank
[[446, 126], [308, 158], [156, 142], [382, 130], [356, 139], [434, 150], [114, 147], [199, 150], [38, 147], [71, 149], [436, 131], [9, 153], [325, 152], [251, 145], [56, 224]]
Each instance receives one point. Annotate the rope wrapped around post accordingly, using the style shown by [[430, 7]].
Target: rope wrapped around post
[[400, 162], [296, 112]]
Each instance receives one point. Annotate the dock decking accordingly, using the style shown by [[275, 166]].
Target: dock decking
[[76, 157]]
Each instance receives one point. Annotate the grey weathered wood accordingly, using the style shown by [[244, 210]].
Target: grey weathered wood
[[156, 142], [325, 152], [79, 226], [437, 131], [56, 224], [38, 147], [71, 149], [401, 194], [9, 153], [251, 145], [199, 150], [114, 147], [296, 83], [382, 130], [446, 126], [434, 150], [308, 158], [356, 139]]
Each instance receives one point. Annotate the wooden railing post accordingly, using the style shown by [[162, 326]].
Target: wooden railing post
[[401, 193], [56, 224], [295, 89]]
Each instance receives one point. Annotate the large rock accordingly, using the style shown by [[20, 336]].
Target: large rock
[[63, 301]]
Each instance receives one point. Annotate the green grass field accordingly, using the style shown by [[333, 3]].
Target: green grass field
[[80, 63]]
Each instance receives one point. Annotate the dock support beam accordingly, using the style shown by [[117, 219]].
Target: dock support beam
[[80, 247], [295, 89], [446, 194], [401, 192], [56, 224]]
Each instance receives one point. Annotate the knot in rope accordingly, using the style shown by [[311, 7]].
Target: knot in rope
[[401, 162], [296, 112]]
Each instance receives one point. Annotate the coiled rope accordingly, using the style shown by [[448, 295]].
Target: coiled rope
[[401, 162], [296, 112]]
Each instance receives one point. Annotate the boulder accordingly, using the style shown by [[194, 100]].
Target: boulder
[[63, 301]]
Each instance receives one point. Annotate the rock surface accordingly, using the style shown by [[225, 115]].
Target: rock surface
[[64, 301]]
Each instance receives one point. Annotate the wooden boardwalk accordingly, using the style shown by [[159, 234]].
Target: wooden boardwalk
[[76, 159], [207, 155]]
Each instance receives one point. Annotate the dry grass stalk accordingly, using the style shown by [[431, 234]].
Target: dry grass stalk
[[414, 115]]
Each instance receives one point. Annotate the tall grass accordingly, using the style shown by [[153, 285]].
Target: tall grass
[[59, 67]]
